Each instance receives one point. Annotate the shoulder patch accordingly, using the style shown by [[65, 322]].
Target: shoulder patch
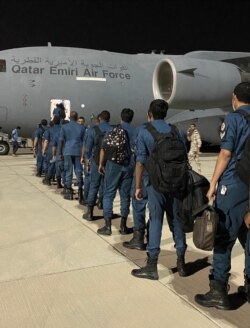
[[222, 130]]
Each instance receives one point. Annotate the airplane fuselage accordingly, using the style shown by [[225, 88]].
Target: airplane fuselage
[[92, 81]]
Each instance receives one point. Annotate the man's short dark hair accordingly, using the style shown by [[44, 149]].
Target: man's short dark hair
[[104, 116], [56, 120], [18, 127], [44, 122], [73, 116], [242, 92], [127, 115], [158, 108]]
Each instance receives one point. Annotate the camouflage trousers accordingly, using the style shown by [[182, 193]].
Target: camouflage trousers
[[194, 156]]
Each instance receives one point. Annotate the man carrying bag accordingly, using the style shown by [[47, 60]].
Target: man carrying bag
[[230, 202]]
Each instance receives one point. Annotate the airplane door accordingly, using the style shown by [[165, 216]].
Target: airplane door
[[66, 104]]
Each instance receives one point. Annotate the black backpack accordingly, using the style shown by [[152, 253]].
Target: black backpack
[[167, 165], [242, 168], [116, 145], [98, 143]]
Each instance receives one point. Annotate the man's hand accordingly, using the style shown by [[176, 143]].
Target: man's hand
[[211, 191], [247, 219], [138, 194], [101, 169]]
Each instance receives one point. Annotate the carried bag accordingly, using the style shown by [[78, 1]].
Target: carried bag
[[205, 228], [194, 199]]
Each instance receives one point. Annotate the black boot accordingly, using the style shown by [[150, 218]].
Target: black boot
[[64, 190], [217, 296], [124, 230], [181, 266], [89, 214], [137, 242], [38, 173], [81, 197], [59, 183], [68, 194], [245, 290], [106, 230], [149, 271], [47, 181], [100, 203]]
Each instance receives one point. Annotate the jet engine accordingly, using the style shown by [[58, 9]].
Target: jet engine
[[195, 83]]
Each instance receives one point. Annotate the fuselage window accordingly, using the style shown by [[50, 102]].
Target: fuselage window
[[2, 65]]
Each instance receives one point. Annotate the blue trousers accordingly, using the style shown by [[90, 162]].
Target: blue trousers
[[39, 160], [158, 204], [70, 163], [96, 180], [60, 170], [117, 177], [15, 146], [231, 208], [139, 206]]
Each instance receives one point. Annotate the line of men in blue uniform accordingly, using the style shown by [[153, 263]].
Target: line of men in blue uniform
[[73, 146]]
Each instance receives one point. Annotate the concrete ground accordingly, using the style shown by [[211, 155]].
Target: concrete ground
[[56, 271]]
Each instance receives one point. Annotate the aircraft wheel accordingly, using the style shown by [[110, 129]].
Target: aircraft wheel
[[4, 148]]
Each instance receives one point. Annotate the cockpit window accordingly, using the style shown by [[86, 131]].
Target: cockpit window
[[2, 65]]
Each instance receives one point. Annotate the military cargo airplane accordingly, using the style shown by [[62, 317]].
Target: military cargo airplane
[[198, 85]]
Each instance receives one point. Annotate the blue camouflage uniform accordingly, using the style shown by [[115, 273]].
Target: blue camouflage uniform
[[95, 177], [49, 135], [119, 177], [231, 198], [158, 203], [72, 135], [139, 206], [39, 134]]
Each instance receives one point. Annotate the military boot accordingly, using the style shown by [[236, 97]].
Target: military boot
[[47, 181], [217, 296], [124, 230], [245, 290], [149, 271], [89, 214], [59, 183], [81, 197], [137, 242], [100, 203], [106, 229], [68, 194], [181, 266]]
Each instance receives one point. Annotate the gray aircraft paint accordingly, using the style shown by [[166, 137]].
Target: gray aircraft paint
[[95, 80]]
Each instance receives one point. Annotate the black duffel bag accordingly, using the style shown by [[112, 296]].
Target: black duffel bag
[[193, 200]]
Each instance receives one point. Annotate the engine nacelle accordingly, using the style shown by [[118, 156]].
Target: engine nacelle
[[188, 83]]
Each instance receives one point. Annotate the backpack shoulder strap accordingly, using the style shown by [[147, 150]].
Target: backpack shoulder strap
[[244, 113], [152, 130], [98, 131]]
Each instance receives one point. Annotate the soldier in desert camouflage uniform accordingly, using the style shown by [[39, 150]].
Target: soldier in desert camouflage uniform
[[194, 137]]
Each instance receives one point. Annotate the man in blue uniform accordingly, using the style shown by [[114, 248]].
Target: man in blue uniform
[[49, 136], [158, 202], [230, 202], [139, 210], [38, 141], [92, 144], [118, 176], [71, 142], [14, 139]]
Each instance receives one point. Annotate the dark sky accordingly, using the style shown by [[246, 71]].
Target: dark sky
[[129, 26]]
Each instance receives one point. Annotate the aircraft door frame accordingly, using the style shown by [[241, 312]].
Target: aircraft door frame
[[66, 103]]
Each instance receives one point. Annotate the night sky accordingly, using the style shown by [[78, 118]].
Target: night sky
[[129, 26]]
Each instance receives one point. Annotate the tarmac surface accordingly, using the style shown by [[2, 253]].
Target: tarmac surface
[[56, 271]]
